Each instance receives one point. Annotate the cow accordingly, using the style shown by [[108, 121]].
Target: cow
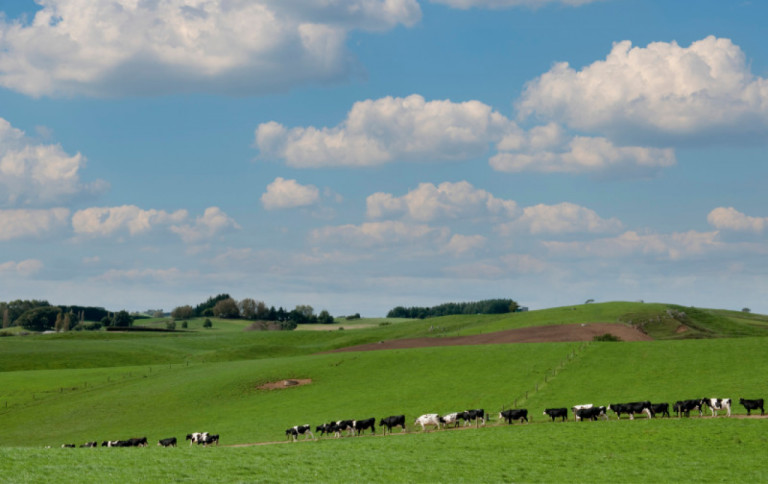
[[325, 428], [341, 425], [196, 437], [579, 407], [716, 404], [631, 408], [116, 443], [68, 446], [294, 432], [590, 413], [685, 406], [453, 418], [662, 408], [392, 421], [429, 419], [752, 405], [360, 425], [90, 444], [169, 442], [211, 439], [557, 412], [138, 442], [514, 414], [477, 416]]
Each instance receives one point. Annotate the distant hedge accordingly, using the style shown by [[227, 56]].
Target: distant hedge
[[140, 329], [488, 306]]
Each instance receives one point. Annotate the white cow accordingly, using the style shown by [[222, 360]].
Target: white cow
[[197, 437], [451, 418], [716, 404], [579, 407], [429, 419]]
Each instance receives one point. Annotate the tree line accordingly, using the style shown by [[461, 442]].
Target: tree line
[[487, 306], [40, 315], [225, 307]]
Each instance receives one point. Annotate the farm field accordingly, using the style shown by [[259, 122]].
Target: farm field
[[78, 387]]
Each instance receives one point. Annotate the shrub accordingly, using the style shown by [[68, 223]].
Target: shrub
[[606, 337], [184, 325], [170, 324], [207, 323], [88, 326]]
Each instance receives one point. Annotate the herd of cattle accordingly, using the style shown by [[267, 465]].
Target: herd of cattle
[[477, 416]]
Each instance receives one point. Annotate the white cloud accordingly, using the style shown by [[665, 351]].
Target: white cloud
[[459, 244], [283, 193], [38, 174], [143, 275], [562, 218], [672, 246], [211, 223], [106, 221], [731, 219], [499, 4], [447, 200], [663, 90], [149, 47], [374, 234], [31, 223], [386, 130], [23, 268]]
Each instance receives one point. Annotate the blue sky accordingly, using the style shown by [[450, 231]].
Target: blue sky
[[362, 154]]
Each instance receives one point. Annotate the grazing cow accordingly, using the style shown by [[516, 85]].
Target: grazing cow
[[752, 405], [90, 444], [453, 418], [631, 408], [514, 414], [662, 408], [429, 419], [138, 442], [716, 404], [579, 407], [294, 432], [360, 425], [196, 437], [169, 442], [341, 425], [685, 406], [557, 412], [392, 421], [476, 416], [325, 428], [68, 446], [590, 413], [116, 443], [212, 439]]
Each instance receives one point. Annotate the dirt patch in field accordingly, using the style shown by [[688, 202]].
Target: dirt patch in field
[[281, 384], [535, 334]]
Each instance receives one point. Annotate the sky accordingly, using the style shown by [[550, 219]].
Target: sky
[[357, 155]]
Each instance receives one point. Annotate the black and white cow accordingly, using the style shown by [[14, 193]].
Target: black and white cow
[[326, 428], [685, 406], [662, 408], [514, 414], [752, 405], [429, 419], [196, 437], [209, 440], [393, 421], [453, 418], [138, 442], [631, 408], [294, 432], [90, 444], [342, 425], [591, 413], [169, 442], [716, 404], [575, 409], [116, 443], [68, 446], [360, 425], [557, 413], [469, 416]]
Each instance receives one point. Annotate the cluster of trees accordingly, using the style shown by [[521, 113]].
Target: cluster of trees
[[39, 315], [226, 307], [488, 306]]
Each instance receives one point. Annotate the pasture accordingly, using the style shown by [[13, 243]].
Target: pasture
[[77, 387]]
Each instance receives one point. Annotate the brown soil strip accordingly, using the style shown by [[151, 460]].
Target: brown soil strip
[[290, 383]]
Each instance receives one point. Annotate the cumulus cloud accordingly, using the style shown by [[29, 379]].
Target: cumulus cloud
[[211, 223], [499, 4], [32, 173], [562, 218], [459, 244], [283, 193], [23, 268], [388, 129], [377, 233], [728, 218], [662, 90], [143, 275], [149, 47], [31, 223], [672, 246], [447, 200]]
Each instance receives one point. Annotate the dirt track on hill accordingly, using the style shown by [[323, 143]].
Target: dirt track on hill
[[535, 334]]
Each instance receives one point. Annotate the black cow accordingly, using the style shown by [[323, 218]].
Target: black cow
[[292, 433], [169, 442], [325, 428], [590, 413], [557, 412], [752, 405], [137, 442], [662, 408], [392, 421], [685, 406], [476, 416], [631, 408], [514, 414], [360, 425], [116, 443]]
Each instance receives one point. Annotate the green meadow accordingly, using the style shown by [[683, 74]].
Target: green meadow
[[78, 387]]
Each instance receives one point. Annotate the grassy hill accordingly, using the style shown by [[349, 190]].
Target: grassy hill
[[77, 387]]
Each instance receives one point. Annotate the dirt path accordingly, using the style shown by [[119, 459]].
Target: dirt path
[[535, 334]]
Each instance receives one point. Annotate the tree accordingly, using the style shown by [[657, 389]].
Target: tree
[[207, 323], [39, 319], [248, 308], [261, 310], [746, 310], [226, 308], [200, 309], [589, 301], [122, 319], [325, 317], [183, 312]]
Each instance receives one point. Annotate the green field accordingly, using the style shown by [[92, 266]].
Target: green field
[[78, 387]]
